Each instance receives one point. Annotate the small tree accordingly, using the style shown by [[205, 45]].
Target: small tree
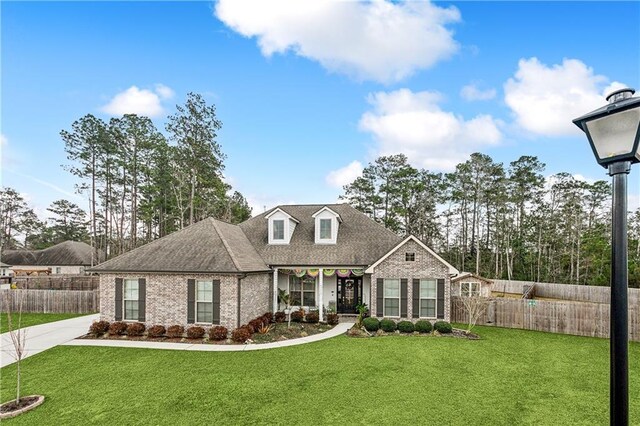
[[18, 336], [362, 311], [283, 297], [474, 306]]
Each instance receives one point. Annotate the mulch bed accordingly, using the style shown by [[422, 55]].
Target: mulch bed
[[456, 333], [11, 408]]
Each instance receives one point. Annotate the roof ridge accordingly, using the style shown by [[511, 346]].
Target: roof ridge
[[226, 244]]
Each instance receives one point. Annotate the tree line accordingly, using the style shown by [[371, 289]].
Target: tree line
[[140, 184], [503, 222]]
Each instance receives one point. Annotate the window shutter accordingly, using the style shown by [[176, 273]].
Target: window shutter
[[191, 301], [379, 297], [118, 299], [415, 293], [440, 300], [216, 301], [403, 297], [142, 298]]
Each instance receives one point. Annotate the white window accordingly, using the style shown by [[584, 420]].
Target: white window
[[204, 302], [428, 294], [391, 298], [302, 291], [469, 289], [325, 229], [58, 270], [278, 229], [130, 299]]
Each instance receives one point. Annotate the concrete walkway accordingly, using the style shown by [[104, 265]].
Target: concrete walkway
[[335, 331], [44, 336]]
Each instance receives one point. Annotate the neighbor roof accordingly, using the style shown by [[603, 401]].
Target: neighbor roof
[[361, 241], [67, 253], [465, 275], [206, 246]]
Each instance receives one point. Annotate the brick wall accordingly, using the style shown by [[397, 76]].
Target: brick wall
[[255, 296], [425, 266]]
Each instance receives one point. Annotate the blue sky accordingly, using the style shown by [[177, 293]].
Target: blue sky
[[310, 93]]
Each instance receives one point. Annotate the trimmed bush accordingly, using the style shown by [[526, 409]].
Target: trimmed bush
[[443, 327], [423, 326], [297, 316], [280, 317], [98, 328], [175, 331], [218, 333], [255, 324], [332, 318], [406, 327], [388, 325], [268, 316], [241, 334], [135, 329], [195, 332], [313, 317], [117, 328], [156, 331], [371, 324]]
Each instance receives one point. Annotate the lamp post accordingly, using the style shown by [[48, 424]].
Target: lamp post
[[614, 134]]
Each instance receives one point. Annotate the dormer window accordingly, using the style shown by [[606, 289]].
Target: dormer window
[[327, 223], [281, 226], [278, 229], [325, 229]]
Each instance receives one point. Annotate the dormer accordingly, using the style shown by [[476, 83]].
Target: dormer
[[281, 226], [326, 226]]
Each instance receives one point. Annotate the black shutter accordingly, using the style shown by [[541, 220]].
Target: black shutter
[[379, 297], [118, 299], [440, 300], [416, 298], [403, 297], [191, 301], [216, 301], [142, 298]]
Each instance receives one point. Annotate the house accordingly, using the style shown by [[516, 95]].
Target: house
[[68, 257], [468, 285], [324, 256]]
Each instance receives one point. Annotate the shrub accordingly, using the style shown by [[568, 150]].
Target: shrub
[[195, 332], [117, 328], [266, 328], [268, 316], [443, 327], [280, 317], [371, 324], [241, 334], [254, 325], [406, 327], [332, 318], [175, 331], [218, 333], [135, 329], [98, 328], [156, 331], [298, 315], [313, 317], [388, 325], [423, 326]]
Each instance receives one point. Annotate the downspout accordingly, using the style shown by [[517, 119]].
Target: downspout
[[240, 278]]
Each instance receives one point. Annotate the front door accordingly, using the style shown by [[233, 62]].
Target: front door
[[349, 294]]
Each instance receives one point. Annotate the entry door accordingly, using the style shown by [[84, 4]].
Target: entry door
[[349, 294]]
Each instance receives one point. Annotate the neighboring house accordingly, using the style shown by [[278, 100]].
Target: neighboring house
[[68, 257], [468, 285], [323, 256], [5, 275]]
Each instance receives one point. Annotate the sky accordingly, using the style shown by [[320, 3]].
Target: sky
[[310, 92]]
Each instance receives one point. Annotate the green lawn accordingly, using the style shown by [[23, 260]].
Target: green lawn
[[509, 377], [32, 319]]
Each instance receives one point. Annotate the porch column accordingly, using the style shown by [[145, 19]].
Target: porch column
[[321, 294], [275, 290]]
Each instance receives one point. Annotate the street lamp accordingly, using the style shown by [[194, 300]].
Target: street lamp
[[614, 134]]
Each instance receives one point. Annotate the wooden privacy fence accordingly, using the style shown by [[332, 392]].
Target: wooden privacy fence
[[51, 301], [565, 317], [58, 282]]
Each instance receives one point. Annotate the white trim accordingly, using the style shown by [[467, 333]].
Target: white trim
[[329, 210], [124, 299], [196, 302], [275, 290], [278, 209], [452, 269], [470, 283], [435, 309], [399, 298]]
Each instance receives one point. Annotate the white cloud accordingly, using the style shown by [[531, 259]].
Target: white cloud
[[413, 123], [4, 141], [378, 40], [344, 175], [471, 92], [139, 101], [545, 99]]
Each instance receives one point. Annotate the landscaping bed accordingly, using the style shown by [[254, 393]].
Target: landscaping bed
[[373, 327]]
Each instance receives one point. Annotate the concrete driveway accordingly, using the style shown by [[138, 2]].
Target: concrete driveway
[[44, 336]]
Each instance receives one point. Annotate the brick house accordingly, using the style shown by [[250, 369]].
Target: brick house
[[326, 257]]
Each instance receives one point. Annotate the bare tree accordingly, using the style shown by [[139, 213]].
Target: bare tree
[[18, 336], [474, 306]]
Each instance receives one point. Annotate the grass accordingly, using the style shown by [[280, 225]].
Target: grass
[[32, 319], [510, 377]]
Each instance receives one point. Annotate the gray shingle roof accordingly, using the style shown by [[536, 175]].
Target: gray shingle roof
[[63, 254], [361, 241], [206, 246]]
